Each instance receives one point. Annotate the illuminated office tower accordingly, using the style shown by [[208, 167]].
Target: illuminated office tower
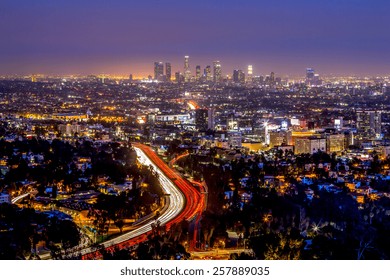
[[158, 71], [250, 73], [198, 72], [235, 75], [217, 72], [272, 78], [309, 76], [316, 80], [187, 72], [368, 124], [204, 119], [207, 73], [201, 119], [179, 77], [168, 71], [210, 118], [238, 76], [335, 143]]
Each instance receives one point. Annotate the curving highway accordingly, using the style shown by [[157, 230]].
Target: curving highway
[[202, 201], [16, 199], [183, 202]]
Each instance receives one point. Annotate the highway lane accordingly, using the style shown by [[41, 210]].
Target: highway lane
[[192, 196], [202, 201], [16, 199], [176, 200], [200, 209]]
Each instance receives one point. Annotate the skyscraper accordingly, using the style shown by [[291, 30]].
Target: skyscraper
[[238, 76], [250, 73], [204, 119], [158, 71], [368, 124], [309, 75], [201, 119], [197, 72], [210, 119], [272, 78], [179, 77], [207, 73], [217, 72], [316, 80], [168, 71], [187, 72], [235, 76]]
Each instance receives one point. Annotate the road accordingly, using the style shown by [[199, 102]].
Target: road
[[202, 200], [16, 199], [192, 196], [183, 203]]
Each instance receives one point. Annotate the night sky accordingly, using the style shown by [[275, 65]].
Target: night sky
[[124, 36]]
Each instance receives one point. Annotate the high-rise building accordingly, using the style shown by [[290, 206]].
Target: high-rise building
[[261, 80], [267, 80], [250, 73], [179, 77], [168, 71], [187, 71], [210, 118], [272, 78], [130, 77], [235, 75], [217, 72], [204, 119], [368, 124], [198, 75], [309, 76], [316, 80], [207, 73], [335, 143], [201, 119], [238, 76], [158, 71]]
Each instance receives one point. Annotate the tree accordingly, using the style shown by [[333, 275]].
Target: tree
[[63, 231]]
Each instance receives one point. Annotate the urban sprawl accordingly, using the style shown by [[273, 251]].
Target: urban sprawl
[[196, 164]]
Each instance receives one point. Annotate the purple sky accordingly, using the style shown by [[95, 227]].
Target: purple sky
[[124, 36]]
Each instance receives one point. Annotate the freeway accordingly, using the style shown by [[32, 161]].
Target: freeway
[[202, 204], [192, 196], [182, 203], [16, 199]]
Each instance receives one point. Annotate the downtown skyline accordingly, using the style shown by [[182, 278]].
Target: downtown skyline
[[122, 37]]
